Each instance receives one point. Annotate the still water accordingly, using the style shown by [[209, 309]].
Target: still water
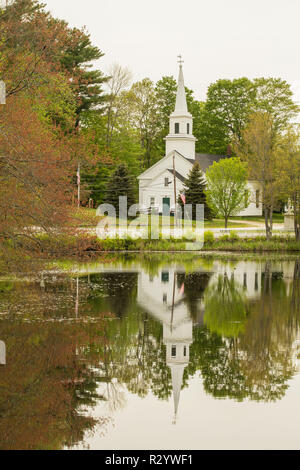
[[153, 352]]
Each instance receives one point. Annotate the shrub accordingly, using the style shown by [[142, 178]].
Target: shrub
[[233, 236], [224, 238], [209, 237]]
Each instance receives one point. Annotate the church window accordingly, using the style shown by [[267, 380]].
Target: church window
[[257, 198], [167, 182], [188, 128], [165, 276], [152, 201], [176, 127], [173, 352], [184, 351]]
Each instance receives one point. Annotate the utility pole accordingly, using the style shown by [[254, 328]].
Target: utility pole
[[173, 302], [174, 175]]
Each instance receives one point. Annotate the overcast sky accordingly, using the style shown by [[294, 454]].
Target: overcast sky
[[217, 38]]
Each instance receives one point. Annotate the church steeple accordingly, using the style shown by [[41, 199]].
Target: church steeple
[[180, 135], [177, 377], [181, 106]]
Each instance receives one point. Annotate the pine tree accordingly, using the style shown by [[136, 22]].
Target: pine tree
[[120, 184], [194, 187]]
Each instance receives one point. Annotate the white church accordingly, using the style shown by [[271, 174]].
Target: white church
[[156, 184]]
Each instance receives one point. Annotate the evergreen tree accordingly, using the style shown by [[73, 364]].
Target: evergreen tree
[[120, 184], [194, 187]]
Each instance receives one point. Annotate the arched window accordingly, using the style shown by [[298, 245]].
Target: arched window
[[176, 127], [188, 128]]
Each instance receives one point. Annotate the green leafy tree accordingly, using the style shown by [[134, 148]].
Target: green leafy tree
[[120, 184], [227, 191], [230, 104], [259, 149], [194, 190], [140, 111], [124, 147], [226, 110], [289, 172], [77, 60], [275, 97]]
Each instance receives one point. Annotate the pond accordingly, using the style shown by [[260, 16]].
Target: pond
[[152, 352]]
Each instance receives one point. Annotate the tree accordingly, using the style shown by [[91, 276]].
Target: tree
[[76, 60], [258, 147], [120, 184], [226, 111], [289, 173], [37, 46], [141, 109], [119, 80], [194, 190], [275, 97], [230, 104], [124, 146], [35, 175], [227, 192]]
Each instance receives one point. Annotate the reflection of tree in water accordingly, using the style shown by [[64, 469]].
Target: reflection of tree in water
[[257, 362], [115, 292], [195, 284], [225, 307], [134, 354], [265, 348], [210, 354], [46, 385]]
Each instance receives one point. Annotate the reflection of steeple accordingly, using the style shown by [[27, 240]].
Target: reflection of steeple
[[177, 340], [164, 299], [177, 376], [2, 353]]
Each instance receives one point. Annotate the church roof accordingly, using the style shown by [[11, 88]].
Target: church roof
[[205, 160], [178, 175]]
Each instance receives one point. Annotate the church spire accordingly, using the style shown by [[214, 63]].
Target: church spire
[[181, 106], [177, 376], [180, 137]]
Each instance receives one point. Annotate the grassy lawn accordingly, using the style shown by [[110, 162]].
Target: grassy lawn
[[219, 223], [87, 218], [277, 219]]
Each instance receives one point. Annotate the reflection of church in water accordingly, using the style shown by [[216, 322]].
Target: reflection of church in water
[[175, 297], [166, 297], [163, 297]]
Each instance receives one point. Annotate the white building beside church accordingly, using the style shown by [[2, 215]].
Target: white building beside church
[[156, 184]]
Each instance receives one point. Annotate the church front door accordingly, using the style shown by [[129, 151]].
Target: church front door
[[166, 206]]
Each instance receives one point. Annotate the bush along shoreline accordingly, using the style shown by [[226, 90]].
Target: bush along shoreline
[[87, 245]]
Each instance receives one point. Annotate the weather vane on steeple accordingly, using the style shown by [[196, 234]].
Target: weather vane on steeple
[[180, 60]]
